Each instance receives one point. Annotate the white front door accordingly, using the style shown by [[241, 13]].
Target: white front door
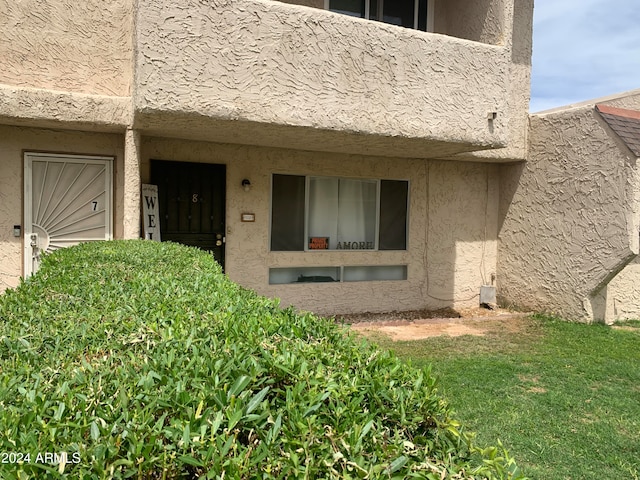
[[67, 200]]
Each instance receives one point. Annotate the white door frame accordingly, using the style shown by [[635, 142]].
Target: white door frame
[[29, 157]]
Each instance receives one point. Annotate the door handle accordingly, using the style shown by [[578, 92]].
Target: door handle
[[34, 240]]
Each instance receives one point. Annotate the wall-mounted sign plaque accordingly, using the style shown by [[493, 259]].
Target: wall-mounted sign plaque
[[318, 243]]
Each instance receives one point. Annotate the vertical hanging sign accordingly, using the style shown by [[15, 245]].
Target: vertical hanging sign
[[150, 213]]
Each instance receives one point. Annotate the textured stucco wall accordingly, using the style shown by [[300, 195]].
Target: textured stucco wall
[[66, 64], [132, 188], [13, 142], [480, 21], [263, 73], [236, 71], [269, 63], [629, 100], [569, 219], [66, 45], [41, 108], [462, 230], [457, 246], [517, 39], [623, 294], [11, 175]]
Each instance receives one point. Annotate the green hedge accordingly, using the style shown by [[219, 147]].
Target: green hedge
[[137, 359]]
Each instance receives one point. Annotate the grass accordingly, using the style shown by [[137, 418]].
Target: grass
[[564, 398]]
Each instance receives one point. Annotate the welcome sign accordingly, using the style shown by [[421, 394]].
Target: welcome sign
[[150, 213]]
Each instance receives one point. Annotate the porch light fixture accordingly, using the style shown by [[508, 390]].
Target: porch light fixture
[[246, 184]]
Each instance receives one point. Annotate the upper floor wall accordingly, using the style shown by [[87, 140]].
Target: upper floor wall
[[505, 23], [268, 73], [67, 45]]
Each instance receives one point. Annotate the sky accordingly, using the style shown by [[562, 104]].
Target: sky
[[583, 50]]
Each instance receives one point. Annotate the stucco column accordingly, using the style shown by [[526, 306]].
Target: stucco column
[[131, 204]]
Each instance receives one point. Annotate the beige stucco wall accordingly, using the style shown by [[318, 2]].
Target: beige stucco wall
[[517, 40], [622, 294], [569, 216], [131, 186], [14, 142], [452, 233], [480, 21], [67, 45], [629, 100], [462, 231], [246, 76], [34, 107], [275, 74], [265, 73], [66, 64], [452, 223]]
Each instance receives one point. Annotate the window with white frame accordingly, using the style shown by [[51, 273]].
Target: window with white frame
[[416, 14], [333, 213]]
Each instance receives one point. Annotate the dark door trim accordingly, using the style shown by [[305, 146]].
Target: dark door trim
[[192, 203]]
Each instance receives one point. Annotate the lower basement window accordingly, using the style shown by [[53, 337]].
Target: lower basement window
[[361, 273]]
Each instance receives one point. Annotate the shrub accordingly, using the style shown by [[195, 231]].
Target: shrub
[[139, 359]]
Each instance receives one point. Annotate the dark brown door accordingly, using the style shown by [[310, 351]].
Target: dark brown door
[[191, 198]]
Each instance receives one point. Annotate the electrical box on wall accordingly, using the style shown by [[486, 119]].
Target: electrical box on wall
[[17, 230], [488, 295]]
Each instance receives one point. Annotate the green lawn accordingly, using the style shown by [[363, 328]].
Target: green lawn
[[564, 398]]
